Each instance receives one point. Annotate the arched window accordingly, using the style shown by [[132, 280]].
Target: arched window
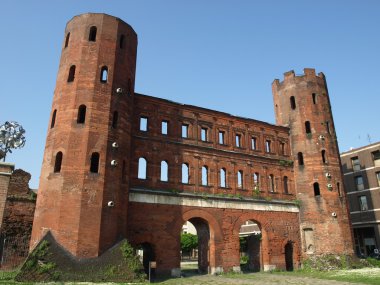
[[92, 34], [286, 188], [323, 153], [58, 162], [67, 40], [164, 171], [240, 179], [185, 173], [292, 102], [53, 119], [223, 182], [94, 163], [307, 127], [314, 96], [121, 42], [142, 168], [271, 183], [204, 175], [300, 158], [115, 119], [316, 189], [81, 114], [71, 76], [104, 74], [256, 180]]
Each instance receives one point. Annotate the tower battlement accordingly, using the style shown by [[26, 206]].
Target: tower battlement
[[290, 76]]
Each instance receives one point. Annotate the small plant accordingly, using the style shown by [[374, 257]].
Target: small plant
[[283, 162], [298, 203]]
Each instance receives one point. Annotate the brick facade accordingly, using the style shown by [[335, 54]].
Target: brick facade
[[102, 133]]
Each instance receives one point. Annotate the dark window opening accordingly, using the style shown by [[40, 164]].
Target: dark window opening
[[307, 127], [300, 158], [121, 42], [123, 173], [314, 98], [115, 119], [71, 76], [328, 127], [338, 187], [81, 114], [92, 34], [323, 156], [292, 102], [53, 119], [282, 148], [286, 189], [94, 163], [104, 74], [67, 40], [58, 162], [268, 146], [317, 192]]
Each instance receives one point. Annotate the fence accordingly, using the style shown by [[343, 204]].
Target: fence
[[13, 251]]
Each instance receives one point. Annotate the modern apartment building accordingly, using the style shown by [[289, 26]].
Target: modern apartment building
[[361, 169]]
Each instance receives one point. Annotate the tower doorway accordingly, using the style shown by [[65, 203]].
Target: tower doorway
[[289, 256]]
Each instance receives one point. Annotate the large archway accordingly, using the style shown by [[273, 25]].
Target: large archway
[[250, 246]]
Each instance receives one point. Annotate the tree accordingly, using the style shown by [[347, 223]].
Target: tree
[[188, 242], [11, 136]]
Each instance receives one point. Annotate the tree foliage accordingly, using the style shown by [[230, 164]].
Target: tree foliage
[[188, 242]]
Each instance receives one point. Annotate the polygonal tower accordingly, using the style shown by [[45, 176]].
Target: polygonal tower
[[302, 103], [83, 192]]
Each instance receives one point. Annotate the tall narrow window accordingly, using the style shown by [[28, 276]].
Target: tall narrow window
[[314, 96], [204, 175], [221, 137], [92, 34], [286, 187], [185, 173], [376, 158], [292, 102], [328, 127], [253, 143], [185, 131], [256, 180], [67, 40], [94, 162], [123, 172], [143, 124], [52, 124], [359, 183], [378, 178], [323, 153], [164, 171], [71, 76], [268, 146], [204, 137], [338, 187], [307, 127], [355, 162], [164, 127], [142, 167], [58, 162], [240, 179], [300, 158], [115, 119], [104, 74], [282, 148], [317, 192], [121, 42], [223, 179], [363, 203], [81, 118], [238, 140], [271, 183]]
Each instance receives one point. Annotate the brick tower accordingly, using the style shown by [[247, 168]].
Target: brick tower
[[302, 103], [83, 193]]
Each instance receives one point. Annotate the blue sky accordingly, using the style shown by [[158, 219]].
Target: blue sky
[[216, 54]]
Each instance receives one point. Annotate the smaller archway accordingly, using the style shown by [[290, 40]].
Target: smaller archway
[[250, 246], [146, 253], [289, 256]]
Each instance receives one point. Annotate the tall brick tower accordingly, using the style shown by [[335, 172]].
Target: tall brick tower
[[302, 103], [83, 193]]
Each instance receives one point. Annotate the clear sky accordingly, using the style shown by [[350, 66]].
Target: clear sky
[[217, 54]]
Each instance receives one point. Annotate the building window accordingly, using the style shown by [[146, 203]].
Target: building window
[[81, 118], [282, 148], [253, 143], [256, 180], [52, 124], [185, 131], [363, 203], [292, 102], [286, 188], [121, 42], [104, 74], [378, 178], [223, 180], [359, 182], [204, 175], [94, 162], [238, 140], [123, 172], [376, 158], [204, 137], [314, 96], [71, 76], [143, 124], [58, 162], [164, 171], [338, 187], [115, 119], [240, 179], [268, 146], [221, 137], [92, 34], [317, 192], [323, 153], [67, 40], [185, 173], [307, 128], [164, 127], [328, 127], [355, 163], [300, 158], [142, 167], [271, 183]]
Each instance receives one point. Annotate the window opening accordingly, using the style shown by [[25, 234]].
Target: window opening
[[256, 180], [164, 127], [292, 102], [238, 140], [338, 187], [143, 124], [142, 167], [185, 173], [253, 143], [359, 182], [81, 114], [378, 178], [300, 158], [323, 152], [271, 183], [185, 131], [115, 119], [52, 124], [286, 189], [317, 192], [223, 182], [282, 148], [94, 162], [355, 162], [71, 76], [240, 179], [328, 127], [314, 98], [221, 137], [58, 162], [204, 134], [376, 158], [307, 128], [121, 42], [268, 146], [204, 175], [164, 171], [92, 34], [67, 40], [104, 74], [363, 203]]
